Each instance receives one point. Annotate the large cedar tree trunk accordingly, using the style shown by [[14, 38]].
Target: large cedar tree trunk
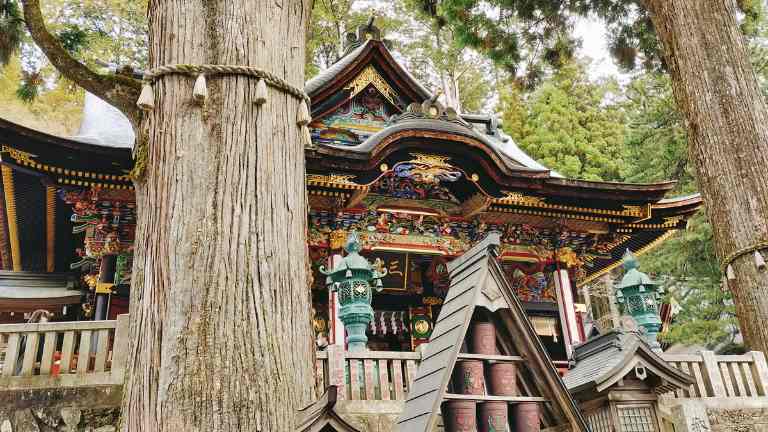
[[727, 120], [220, 325]]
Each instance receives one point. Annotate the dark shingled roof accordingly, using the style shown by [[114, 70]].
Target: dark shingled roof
[[509, 154], [319, 415], [319, 81], [602, 361]]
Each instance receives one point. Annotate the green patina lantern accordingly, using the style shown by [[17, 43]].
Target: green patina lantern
[[351, 278], [639, 296]]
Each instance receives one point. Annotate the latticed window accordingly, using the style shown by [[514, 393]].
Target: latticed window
[[600, 420], [637, 418], [601, 299]]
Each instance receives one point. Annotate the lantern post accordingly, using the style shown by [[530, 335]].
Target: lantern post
[[638, 296], [354, 278]]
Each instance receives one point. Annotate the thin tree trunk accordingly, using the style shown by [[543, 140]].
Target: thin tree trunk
[[727, 119], [220, 326], [448, 76]]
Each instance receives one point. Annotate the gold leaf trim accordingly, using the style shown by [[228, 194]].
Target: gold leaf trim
[[369, 75]]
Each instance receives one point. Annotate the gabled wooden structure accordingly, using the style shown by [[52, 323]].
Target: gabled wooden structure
[[617, 380], [476, 281], [320, 416]]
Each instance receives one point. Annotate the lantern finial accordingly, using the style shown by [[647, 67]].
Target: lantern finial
[[629, 260], [353, 243]]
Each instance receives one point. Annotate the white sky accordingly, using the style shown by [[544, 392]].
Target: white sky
[[594, 47]]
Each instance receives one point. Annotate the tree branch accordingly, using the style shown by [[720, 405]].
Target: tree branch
[[118, 90]]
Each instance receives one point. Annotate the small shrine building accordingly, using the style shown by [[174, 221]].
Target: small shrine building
[[419, 182]]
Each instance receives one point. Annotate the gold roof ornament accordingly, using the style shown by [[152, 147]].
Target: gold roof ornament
[[520, 199], [333, 180], [369, 75], [337, 238], [21, 157], [432, 161]]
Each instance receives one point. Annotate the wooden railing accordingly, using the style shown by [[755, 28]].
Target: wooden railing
[[63, 354], [722, 375], [86, 353], [369, 375]]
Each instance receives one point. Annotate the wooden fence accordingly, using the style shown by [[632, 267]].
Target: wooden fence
[[722, 375], [54, 355], [63, 354], [368, 375], [363, 375]]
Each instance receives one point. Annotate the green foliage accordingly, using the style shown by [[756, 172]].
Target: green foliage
[[427, 50], [11, 30], [29, 87], [95, 32], [657, 143], [331, 19], [688, 266], [57, 110], [527, 36], [656, 138], [570, 124], [73, 38], [602, 131]]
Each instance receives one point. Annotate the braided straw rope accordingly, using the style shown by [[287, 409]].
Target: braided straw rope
[[743, 251], [200, 93], [209, 69]]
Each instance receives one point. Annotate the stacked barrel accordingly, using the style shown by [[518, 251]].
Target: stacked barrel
[[469, 378]]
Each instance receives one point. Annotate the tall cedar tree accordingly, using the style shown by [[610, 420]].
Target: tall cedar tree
[[569, 124], [703, 48], [220, 325]]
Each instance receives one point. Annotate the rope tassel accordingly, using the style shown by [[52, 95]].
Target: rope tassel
[[302, 116], [759, 260], [147, 98], [261, 93], [306, 137], [730, 273], [200, 91]]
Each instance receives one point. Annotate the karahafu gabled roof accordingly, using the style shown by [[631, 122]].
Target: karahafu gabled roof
[[603, 361], [320, 416], [478, 280]]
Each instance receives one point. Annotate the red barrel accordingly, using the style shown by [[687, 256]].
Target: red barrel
[[526, 417], [503, 379], [492, 417], [483, 338], [468, 377], [459, 416]]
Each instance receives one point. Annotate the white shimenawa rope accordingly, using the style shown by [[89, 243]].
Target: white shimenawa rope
[[200, 91]]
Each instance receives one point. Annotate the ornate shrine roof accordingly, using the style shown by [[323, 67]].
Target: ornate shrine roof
[[374, 126]]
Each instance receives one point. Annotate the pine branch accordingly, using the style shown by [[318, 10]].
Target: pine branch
[[118, 90]]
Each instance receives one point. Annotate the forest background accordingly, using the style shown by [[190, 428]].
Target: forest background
[[620, 127]]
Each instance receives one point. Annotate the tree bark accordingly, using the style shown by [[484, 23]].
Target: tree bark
[[727, 120], [220, 308]]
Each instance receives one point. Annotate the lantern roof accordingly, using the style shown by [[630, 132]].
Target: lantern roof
[[353, 260], [633, 276]]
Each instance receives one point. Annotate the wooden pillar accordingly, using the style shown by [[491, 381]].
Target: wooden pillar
[[565, 306], [336, 331], [10, 212], [337, 370], [106, 278], [50, 228]]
